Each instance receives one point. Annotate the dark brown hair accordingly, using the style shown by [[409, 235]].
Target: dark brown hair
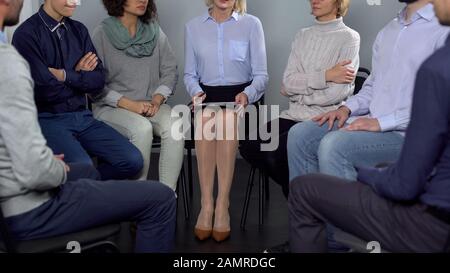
[[116, 8]]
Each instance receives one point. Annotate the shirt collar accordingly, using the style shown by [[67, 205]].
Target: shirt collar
[[207, 16], [49, 22], [426, 12], [3, 39]]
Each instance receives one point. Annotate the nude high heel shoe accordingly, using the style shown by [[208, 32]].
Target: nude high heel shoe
[[203, 233]]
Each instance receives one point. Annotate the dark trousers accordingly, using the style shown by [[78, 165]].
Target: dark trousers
[[275, 163], [86, 203], [79, 136], [315, 200]]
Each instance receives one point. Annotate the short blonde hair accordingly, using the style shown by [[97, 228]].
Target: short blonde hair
[[342, 7], [240, 6]]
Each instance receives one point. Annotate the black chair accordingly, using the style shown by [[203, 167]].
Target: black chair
[[98, 239], [263, 187], [263, 184], [189, 145], [361, 77]]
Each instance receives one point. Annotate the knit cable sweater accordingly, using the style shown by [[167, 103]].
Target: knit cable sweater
[[315, 50]]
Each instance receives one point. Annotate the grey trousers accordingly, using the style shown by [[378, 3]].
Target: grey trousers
[[355, 208], [140, 130]]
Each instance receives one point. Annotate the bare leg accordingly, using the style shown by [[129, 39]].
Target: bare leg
[[206, 156], [226, 150]]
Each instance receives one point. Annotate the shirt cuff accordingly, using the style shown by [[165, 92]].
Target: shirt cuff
[[252, 94], [111, 99], [65, 75], [64, 177], [194, 89], [164, 91], [352, 105], [318, 80], [387, 123]]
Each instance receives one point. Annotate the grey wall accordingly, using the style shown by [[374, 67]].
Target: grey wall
[[281, 19]]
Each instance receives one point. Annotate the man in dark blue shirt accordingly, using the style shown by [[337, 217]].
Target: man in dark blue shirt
[[405, 206], [65, 69]]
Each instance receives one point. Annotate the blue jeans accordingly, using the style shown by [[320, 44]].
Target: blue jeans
[[86, 203], [314, 149], [79, 136]]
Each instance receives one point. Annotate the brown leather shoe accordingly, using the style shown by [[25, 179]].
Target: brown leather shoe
[[202, 234], [220, 236]]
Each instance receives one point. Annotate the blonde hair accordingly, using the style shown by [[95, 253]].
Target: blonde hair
[[342, 7], [240, 6]]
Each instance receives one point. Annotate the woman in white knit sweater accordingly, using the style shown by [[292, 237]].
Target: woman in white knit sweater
[[320, 75]]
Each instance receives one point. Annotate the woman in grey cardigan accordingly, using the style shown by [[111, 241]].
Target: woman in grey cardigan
[[141, 73], [319, 75]]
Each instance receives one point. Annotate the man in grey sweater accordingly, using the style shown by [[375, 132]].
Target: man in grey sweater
[[40, 195]]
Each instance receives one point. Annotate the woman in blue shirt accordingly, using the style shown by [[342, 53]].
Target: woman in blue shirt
[[225, 62]]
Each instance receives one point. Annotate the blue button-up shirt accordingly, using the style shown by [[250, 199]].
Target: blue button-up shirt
[[45, 42], [423, 170], [229, 53], [399, 50], [3, 39]]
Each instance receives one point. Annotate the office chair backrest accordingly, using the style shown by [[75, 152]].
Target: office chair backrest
[[361, 77], [5, 235]]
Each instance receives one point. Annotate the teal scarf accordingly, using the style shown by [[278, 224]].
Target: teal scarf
[[142, 45]]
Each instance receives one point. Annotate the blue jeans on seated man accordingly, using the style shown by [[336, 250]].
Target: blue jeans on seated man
[[315, 149], [83, 202], [79, 136]]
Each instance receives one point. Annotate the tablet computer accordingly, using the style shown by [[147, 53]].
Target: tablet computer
[[217, 104]]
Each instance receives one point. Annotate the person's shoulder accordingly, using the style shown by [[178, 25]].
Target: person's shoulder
[[29, 26], [351, 34], [390, 25], [9, 55], [162, 34], [12, 62], [98, 31], [196, 20], [251, 19], [440, 32]]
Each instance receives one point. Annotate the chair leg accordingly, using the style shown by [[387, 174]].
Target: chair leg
[[248, 194], [185, 194], [191, 180], [261, 185]]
